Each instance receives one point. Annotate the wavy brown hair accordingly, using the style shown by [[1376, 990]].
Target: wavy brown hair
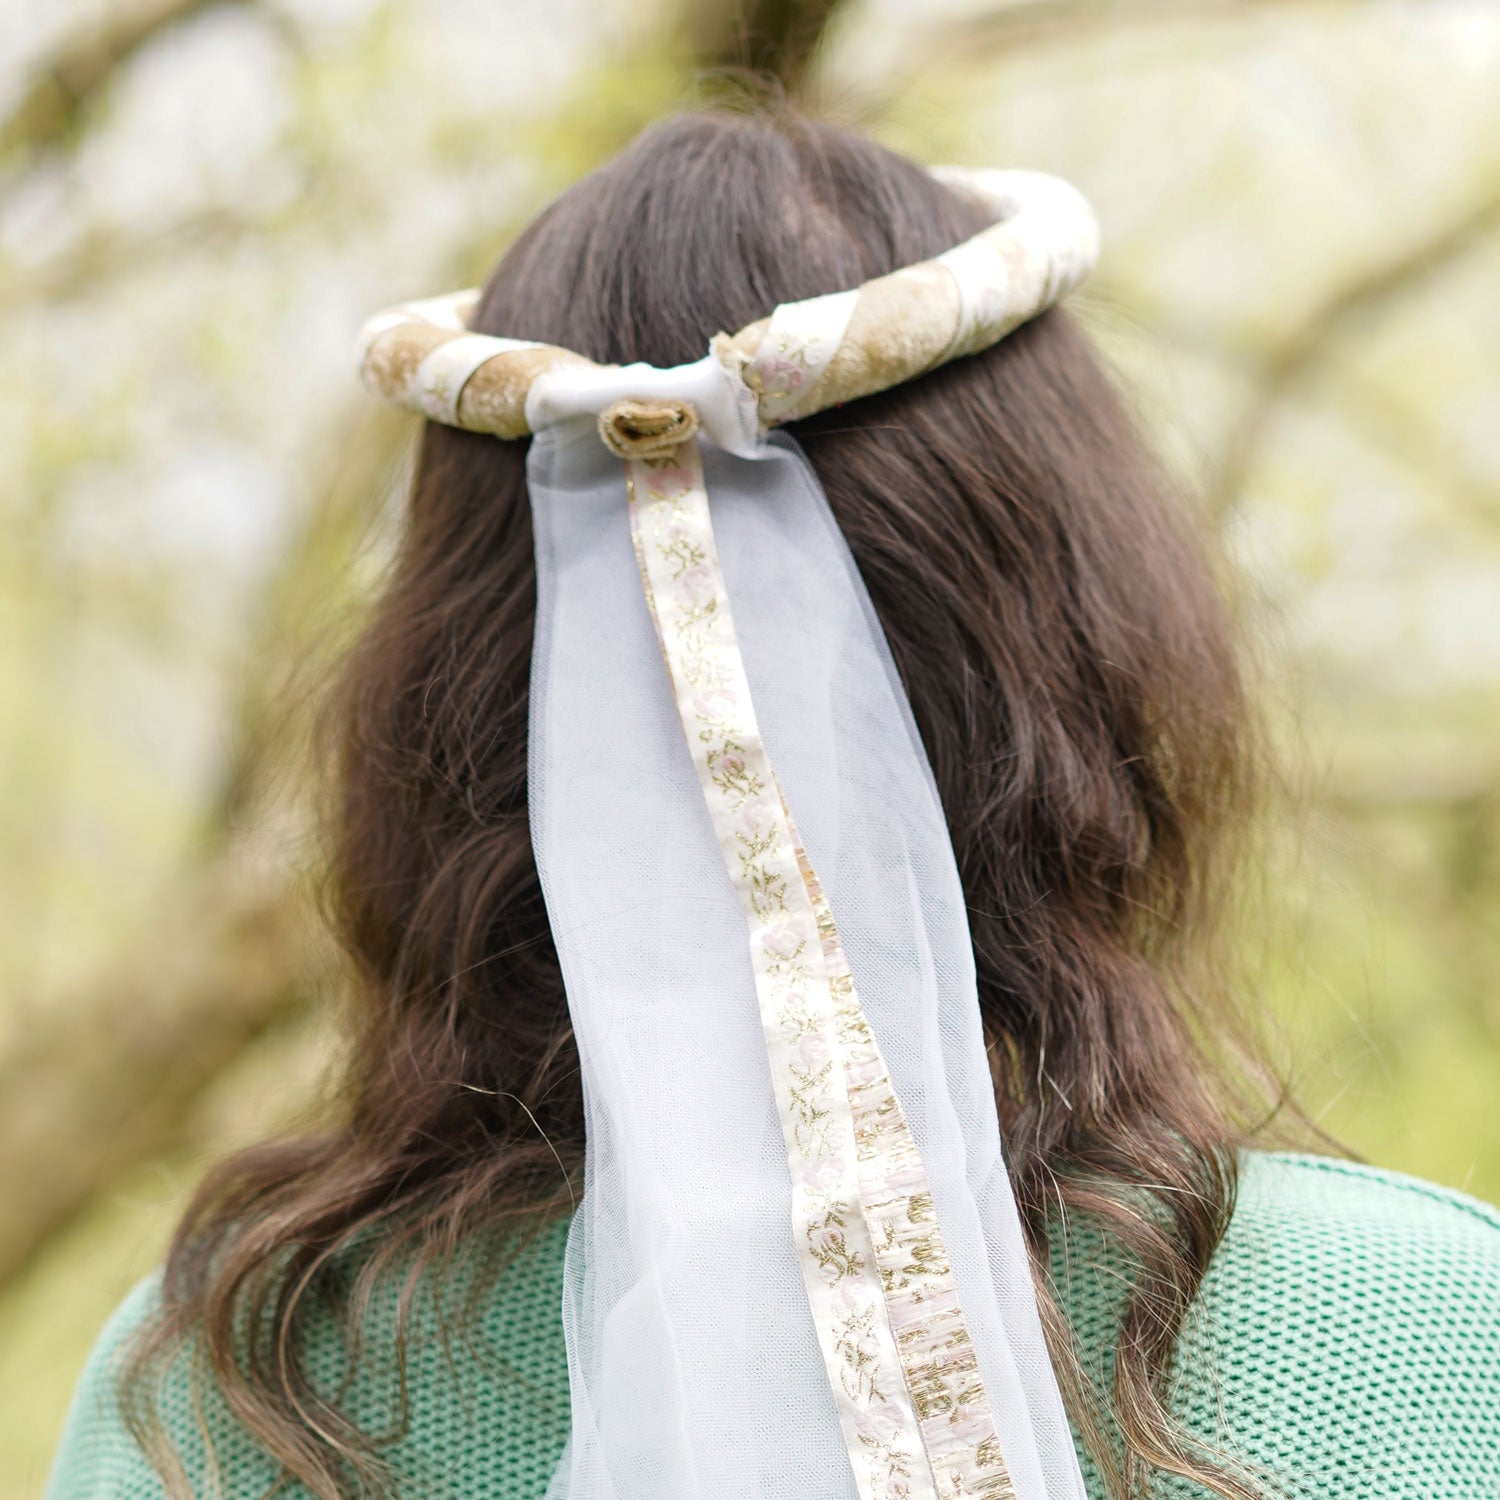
[[1057, 622]]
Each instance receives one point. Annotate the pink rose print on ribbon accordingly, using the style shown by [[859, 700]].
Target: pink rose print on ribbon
[[732, 775], [831, 1238], [887, 1419], [697, 585], [823, 1176], [847, 1299], [714, 703], [813, 1050], [779, 377], [669, 481], [755, 816], [783, 939], [836, 1257]]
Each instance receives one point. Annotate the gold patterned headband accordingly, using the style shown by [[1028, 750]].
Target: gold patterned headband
[[803, 358]]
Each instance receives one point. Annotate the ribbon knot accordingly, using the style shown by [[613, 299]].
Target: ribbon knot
[[647, 429]]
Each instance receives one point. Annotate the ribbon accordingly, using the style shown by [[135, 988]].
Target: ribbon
[[912, 1407]]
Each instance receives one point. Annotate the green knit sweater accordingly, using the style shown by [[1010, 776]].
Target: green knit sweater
[[1346, 1342]]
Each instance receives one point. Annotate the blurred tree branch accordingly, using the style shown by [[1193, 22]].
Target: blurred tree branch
[[81, 69], [110, 252], [1402, 430], [111, 1083], [1309, 345], [776, 38], [97, 1087], [1030, 23], [1408, 436]]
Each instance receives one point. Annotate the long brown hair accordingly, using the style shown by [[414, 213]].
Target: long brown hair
[[1057, 623]]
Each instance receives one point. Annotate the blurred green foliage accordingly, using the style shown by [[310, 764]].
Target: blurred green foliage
[[198, 203]]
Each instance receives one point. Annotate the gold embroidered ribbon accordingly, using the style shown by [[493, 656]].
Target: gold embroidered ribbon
[[912, 1406]]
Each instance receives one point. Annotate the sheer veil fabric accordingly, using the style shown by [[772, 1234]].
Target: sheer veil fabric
[[694, 1367]]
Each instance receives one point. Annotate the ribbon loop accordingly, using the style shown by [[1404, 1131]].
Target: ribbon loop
[[647, 430]]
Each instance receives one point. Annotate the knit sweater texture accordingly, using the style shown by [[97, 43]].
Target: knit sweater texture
[[1346, 1343]]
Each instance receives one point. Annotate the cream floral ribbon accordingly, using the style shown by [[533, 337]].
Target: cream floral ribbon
[[912, 1406]]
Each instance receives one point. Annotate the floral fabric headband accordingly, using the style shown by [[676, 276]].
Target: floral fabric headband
[[803, 358]]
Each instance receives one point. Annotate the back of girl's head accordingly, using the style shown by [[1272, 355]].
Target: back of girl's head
[[1053, 615], [1069, 663]]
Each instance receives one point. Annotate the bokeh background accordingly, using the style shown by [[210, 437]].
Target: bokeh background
[[198, 204]]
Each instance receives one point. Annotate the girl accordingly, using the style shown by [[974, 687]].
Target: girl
[[378, 1308]]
